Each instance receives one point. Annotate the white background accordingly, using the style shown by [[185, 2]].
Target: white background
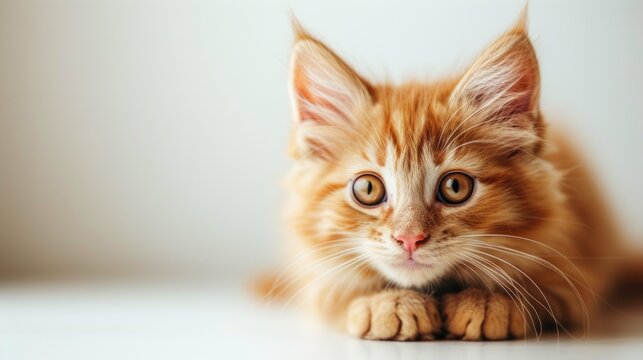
[[148, 138]]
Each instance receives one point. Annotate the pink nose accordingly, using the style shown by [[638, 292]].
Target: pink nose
[[410, 242]]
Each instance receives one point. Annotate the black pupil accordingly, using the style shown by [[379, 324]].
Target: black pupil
[[455, 185], [369, 189]]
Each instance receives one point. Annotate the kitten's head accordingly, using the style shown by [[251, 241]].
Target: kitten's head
[[397, 176]]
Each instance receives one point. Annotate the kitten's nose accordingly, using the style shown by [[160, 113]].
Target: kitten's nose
[[410, 242]]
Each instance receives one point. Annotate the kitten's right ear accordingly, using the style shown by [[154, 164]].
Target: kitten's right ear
[[326, 94]]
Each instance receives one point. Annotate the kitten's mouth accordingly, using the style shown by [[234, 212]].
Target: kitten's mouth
[[412, 264]]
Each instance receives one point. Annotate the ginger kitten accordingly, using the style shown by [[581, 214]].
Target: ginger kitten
[[439, 209]]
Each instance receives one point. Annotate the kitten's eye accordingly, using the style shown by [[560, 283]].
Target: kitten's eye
[[368, 190], [455, 188]]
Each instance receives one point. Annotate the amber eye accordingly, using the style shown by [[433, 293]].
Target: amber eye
[[455, 188], [368, 190]]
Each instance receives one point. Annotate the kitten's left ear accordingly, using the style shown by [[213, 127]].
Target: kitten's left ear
[[502, 88], [326, 97]]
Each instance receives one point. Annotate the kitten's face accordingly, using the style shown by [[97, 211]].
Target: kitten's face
[[403, 175]]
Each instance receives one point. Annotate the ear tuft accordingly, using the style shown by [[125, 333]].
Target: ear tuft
[[298, 29], [521, 24]]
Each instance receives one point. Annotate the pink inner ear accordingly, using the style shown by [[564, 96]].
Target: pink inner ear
[[524, 88], [305, 97], [506, 77], [521, 94]]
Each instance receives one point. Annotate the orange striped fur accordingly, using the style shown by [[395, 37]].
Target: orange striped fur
[[522, 254]]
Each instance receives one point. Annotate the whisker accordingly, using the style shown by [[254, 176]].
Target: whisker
[[339, 267], [547, 307], [515, 294], [302, 272], [550, 266]]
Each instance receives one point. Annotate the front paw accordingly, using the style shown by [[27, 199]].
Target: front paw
[[394, 315], [474, 314]]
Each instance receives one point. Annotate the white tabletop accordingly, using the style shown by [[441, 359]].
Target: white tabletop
[[221, 322]]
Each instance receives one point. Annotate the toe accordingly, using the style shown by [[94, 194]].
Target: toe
[[409, 323], [465, 313], [385, 323], [359, 317], [517, 323], [496, 321]]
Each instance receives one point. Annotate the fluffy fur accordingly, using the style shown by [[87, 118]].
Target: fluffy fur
[[522, 255]]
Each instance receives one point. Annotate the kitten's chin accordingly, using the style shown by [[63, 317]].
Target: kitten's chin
[[411, 273]]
